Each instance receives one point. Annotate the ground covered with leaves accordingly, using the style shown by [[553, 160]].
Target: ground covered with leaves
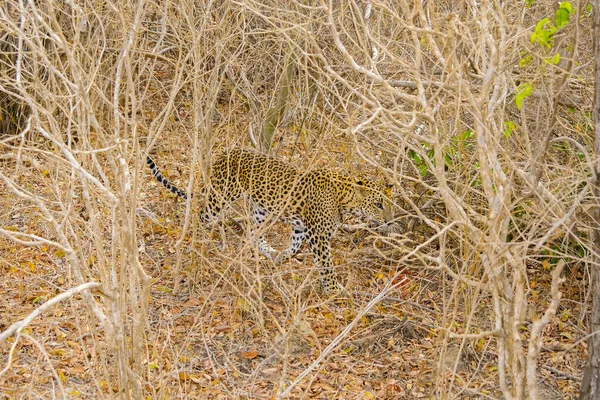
[[241, 327]]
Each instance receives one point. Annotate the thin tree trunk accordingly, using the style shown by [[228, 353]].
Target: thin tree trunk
[[275, 113], [590, 385]]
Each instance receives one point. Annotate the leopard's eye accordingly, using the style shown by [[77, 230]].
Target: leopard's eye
[[379, 205]]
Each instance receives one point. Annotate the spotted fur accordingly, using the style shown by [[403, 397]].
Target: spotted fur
[[312, 201]]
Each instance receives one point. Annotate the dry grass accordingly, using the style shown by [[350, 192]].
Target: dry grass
[[459, 300]]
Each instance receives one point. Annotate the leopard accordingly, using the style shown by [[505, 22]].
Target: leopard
[[312, 201]]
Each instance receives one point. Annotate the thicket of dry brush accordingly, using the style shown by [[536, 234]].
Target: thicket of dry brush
[[492, 197]]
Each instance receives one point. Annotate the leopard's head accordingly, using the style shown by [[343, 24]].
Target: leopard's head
[[375, 200]]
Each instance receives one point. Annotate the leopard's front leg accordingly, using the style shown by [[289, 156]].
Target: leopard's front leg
[[320, 246]]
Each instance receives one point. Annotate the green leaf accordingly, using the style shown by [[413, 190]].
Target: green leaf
[[448, 160], [562, 18], [421, 165], [466, 135], [523, 92], [509, 128], [554, 60], [414, 156], [567, 6], [538, 28], [589, 10], [543, 33], [565, 9], [525, 60]]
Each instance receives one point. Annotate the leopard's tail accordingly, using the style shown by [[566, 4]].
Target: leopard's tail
[[164, 180]]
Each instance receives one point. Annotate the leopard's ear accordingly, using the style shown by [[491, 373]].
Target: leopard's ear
[[388, 189], [361, 189]]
